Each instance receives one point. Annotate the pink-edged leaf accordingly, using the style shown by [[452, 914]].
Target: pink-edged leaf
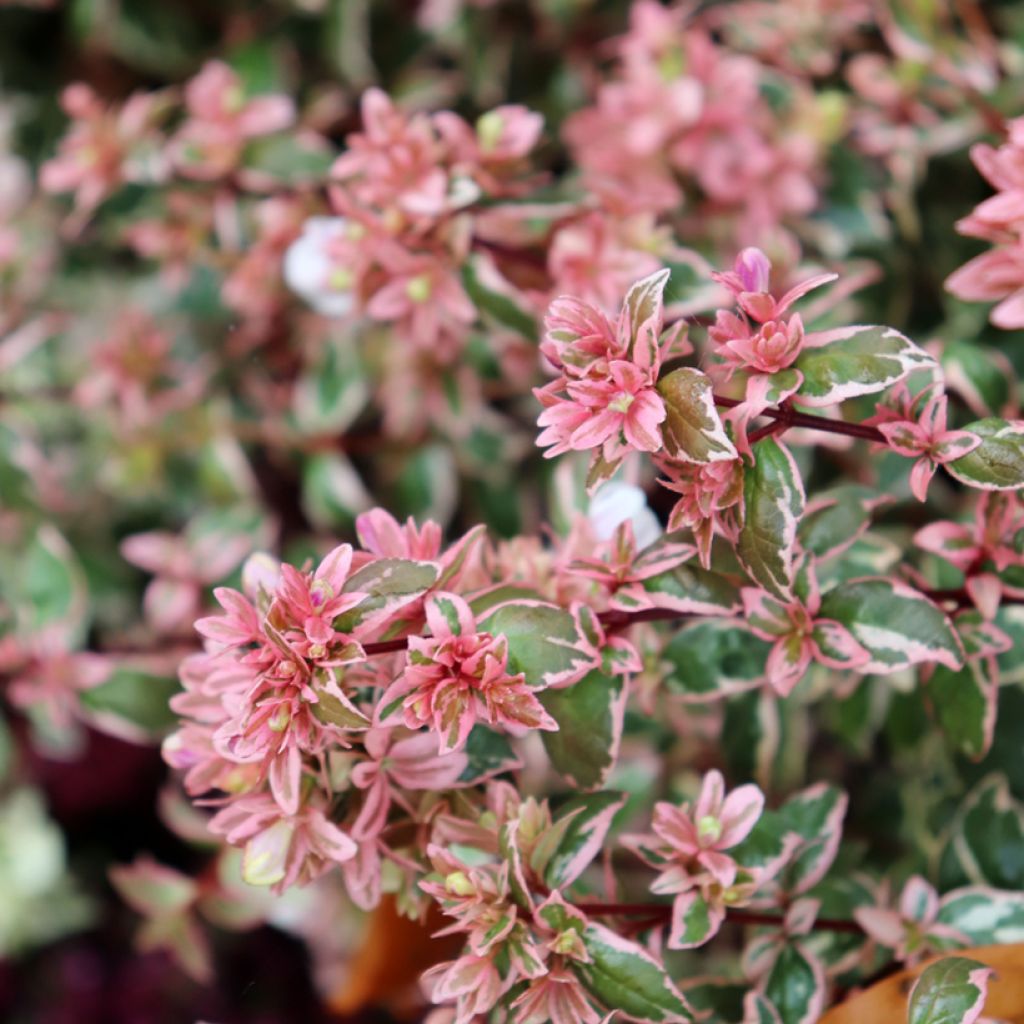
[[964, 701], [694, 920], [795, 985], [953, 989], [835, 646], [285, 776], [622, 975], [897, 625], [997, 463], [583, 838]]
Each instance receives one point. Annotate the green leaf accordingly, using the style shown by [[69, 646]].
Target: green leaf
[[855, 361], [390, 584], [714, 659], [589, 716], [331, 393], [499, 305], [983, 916], [773, 498], [331, 710], [951, 991], [582, 840], [624, 976], [805, 830], [982, 376], [290, 159], [750, 734], [692, 430], [687, 589], [835, 519], [488, 753], [796, 986], [718, 1000], [45, 585], [965, 705], [815, 815], [133, 703], [997, 464], [539, 637], [697, 923], [988, 836], [897, 625], [332, 492]]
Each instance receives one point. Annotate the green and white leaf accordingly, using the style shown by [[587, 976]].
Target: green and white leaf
[[591, 818], [773, 502], [950, 991], [851, 361], [692, 429], [965, 705], [714, 659], [589, 716], [623, 976], [898, 625], [997, 464]]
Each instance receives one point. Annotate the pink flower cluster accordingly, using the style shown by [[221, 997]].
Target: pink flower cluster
[[998, 274], [682, 109], [401, 233], [605, 396]]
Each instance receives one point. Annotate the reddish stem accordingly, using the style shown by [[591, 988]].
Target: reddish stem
[[792, 418]]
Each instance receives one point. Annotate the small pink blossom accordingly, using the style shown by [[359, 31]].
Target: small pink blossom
[[280, 849], [459, 676], [689, 847], [911, 929], [798, 635], [221, 119], [923, 435]]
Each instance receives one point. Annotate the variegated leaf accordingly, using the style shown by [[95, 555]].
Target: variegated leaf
[[773, 502], [897, 625], [692, 430], [852, 361]]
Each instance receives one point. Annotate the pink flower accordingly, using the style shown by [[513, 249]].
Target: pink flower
[[981, 550], [707, 492], [459, 676], [999, 273], [911, 930], [598, 257], [798, 635], [625, 411], [609, 375], [493, 153], [394, 161], [994, 275], [182, 567], [396, 760], [471, 982], [772, 347], [105, 147], [221, 118], [688, 846], [424, 295], [749, 282], [281, 849], [924, 436], [557, 997]]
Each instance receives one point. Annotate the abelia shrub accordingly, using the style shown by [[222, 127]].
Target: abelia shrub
[[580, 553]]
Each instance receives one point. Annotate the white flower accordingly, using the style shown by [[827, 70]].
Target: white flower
[[309, 272], [616, 503]]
